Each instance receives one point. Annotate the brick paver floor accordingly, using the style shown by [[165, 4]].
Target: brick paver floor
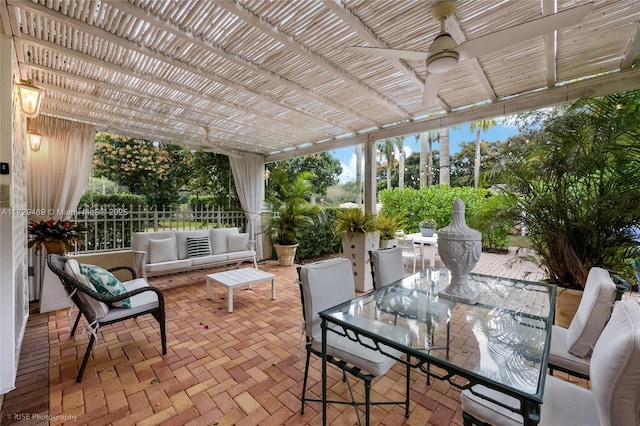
[[244, 368]]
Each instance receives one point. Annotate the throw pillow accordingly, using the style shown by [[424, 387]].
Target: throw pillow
[[162, 250], [198, 246], [105, 283], [238, 242]]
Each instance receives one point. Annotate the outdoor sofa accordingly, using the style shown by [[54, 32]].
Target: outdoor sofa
[[166, 252]]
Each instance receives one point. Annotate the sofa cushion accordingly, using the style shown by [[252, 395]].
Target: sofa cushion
[[140, 240], [238, 242], [219, 239], [99, 309], [106, 284], [244, 254], [198, 246], [167, 267], [205, 260], [181, 240], [162, 250]]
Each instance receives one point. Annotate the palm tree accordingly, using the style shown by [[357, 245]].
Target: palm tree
[[387, 147], [427, 140], [482, 125]]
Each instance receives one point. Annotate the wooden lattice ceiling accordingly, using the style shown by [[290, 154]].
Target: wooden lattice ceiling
[[271, 77]]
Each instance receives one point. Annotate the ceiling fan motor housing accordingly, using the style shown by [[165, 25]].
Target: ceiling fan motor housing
[[441, 62]]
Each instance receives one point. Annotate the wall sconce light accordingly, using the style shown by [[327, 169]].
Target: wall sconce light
[[35, 140], [30, 98]]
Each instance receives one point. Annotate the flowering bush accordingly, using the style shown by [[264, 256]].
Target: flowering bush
[[61, 230]]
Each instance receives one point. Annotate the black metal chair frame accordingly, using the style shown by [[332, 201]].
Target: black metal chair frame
[[72, 286], [347, 368]]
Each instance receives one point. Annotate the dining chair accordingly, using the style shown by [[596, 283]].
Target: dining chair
[[410, 251], [615, 384], [99, 310], [386, 266], [571, 348], [323, 285]]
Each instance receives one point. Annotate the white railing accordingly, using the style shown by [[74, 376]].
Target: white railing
[[109, 227]]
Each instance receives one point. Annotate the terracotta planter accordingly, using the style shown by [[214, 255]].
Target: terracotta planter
[[567, 301], [55, 247], [286, 254]]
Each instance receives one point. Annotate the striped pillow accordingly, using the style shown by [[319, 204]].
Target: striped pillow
[[198, 246]]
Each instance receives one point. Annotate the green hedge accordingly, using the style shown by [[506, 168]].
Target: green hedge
[[113, 199], [482, 212], [320, 238]]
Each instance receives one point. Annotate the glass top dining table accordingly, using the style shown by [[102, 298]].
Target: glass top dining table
[[501, 342]]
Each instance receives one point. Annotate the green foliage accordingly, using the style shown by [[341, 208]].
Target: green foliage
[[355, 221], [325, 170], [319, 238], [211, 179], [147, 168], [576, 187], [388, 226], [289, 202], [89, 199], [494, 219], [429, 202]]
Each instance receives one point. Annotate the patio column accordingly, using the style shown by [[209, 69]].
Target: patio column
[[370, 174]]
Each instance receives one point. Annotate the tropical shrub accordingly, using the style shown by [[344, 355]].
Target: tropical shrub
[[576, 187]]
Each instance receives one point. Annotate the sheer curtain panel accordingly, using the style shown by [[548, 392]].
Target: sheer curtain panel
[[58, 173]]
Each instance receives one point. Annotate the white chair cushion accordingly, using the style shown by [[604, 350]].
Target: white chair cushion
[[139, 303], [561, 357], [100, 309], [387, 266], [330, 282], [593, 312], [615, 367], [564, 404], [164, 250]]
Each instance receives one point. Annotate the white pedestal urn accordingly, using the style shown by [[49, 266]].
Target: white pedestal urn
[[356, 248], [459, 248]]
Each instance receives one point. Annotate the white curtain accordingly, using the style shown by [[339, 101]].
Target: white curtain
[[58, 173], [248, 174]]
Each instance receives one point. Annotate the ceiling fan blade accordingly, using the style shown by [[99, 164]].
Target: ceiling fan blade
[[431, 88], [389, 53], [523, 32]]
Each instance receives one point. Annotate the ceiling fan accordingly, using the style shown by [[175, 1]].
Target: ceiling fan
[[208, 146], [444, 54]]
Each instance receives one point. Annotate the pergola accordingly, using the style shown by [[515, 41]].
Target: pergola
[[272, 79]]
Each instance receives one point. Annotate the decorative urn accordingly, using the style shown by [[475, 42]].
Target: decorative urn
[[459, 248]]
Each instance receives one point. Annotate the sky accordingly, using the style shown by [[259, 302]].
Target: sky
[[347, 156]]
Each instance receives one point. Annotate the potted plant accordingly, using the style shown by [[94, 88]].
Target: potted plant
[[291, 210], [427, 227], [388, 227], [55, 236], [359, 235]]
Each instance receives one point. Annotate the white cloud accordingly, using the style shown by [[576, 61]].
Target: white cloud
[[348, 170]]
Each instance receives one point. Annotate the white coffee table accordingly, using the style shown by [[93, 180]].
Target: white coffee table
[[237, 278]]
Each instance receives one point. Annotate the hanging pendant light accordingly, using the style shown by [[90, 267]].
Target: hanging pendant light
[[30, 98]]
